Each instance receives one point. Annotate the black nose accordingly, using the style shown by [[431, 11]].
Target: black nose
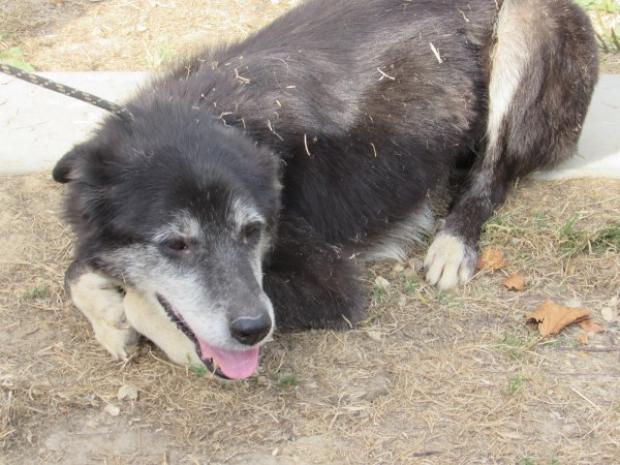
[[250, 330]]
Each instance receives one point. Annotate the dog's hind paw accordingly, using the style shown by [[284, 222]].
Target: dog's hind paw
[[449, 261]]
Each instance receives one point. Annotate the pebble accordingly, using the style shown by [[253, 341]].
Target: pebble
[[127, 392], [112, 410], [382, 283]]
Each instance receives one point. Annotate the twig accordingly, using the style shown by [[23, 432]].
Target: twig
[[593, 349], [426, 453], [586, 399], [374, 149], [241, 78], [385, 75], [436, 52], [615, 39], [603, 44]]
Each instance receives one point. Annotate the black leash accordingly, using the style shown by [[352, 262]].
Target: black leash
[[118, 110]]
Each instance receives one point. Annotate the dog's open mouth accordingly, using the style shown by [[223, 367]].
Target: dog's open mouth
[[224, 363]]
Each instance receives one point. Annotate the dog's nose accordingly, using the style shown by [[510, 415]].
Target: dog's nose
[[250, 330]]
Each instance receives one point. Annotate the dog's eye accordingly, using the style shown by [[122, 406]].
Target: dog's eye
[[251, 232], [176, 245]]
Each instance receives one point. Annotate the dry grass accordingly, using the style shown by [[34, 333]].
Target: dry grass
[[125, 34], [430, 378]]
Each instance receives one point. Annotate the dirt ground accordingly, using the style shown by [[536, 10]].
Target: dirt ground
[[429, 378]]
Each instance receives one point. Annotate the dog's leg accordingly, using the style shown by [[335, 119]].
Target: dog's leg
[[153, 323], [101, 300], [543, 70], [311, 283]]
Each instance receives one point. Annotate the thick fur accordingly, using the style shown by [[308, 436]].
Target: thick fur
[[342, 124]]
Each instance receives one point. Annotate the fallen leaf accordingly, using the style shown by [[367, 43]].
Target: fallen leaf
[[582, 338], [591, 327], [514, 282], [491, 259], [553, 318]]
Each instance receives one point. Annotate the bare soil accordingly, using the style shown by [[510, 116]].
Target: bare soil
[[429, 378]]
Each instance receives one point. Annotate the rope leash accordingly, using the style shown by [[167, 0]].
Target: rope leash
[[118, 110]]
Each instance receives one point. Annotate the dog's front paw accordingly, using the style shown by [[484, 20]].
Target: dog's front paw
[[120, 342], [449, 261]]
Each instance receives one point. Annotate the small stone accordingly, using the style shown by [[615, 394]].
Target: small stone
[[382, 283], [127, 392], [574, 302], [374, 335], [141, 28], [398, 268], [112, 410], [609, 314], [409, 272]]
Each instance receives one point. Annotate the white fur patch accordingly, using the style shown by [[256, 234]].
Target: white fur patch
[[510, 57], [101, 302], [150, 320], [184, 225], [449, 262], [396, 243], [244, 212]]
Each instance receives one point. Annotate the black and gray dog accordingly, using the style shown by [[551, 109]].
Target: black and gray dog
[[256, 177]]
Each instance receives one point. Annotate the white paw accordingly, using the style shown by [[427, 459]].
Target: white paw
[[119, 342], [102, 303], [449, 262]]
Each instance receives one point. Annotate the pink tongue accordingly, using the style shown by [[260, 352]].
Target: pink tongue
[[236, 364]]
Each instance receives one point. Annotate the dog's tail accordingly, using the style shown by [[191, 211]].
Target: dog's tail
[[543, 68]]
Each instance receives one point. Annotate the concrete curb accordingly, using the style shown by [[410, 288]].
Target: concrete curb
[[37, 126]]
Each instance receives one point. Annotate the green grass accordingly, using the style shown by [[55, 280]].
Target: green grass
[[573, 241], [196, 369], [514, 345], [502, 222], [37, 292], [410, 285], [13, 56], [600, 6], [378, 294], [607, 238], [515, 384], [529, 461], [160, 56], [288, 381]]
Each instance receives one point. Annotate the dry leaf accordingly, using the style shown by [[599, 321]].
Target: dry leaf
[[491, 259], [582, 338], [552, 318], [514, 282], [591, 327]]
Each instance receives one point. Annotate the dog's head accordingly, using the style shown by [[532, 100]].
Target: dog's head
[[183, 210]]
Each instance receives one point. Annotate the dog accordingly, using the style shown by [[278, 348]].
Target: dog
[[256, 177]]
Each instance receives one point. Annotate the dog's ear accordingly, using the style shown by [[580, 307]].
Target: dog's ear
[[85, 161], [65, 169]]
